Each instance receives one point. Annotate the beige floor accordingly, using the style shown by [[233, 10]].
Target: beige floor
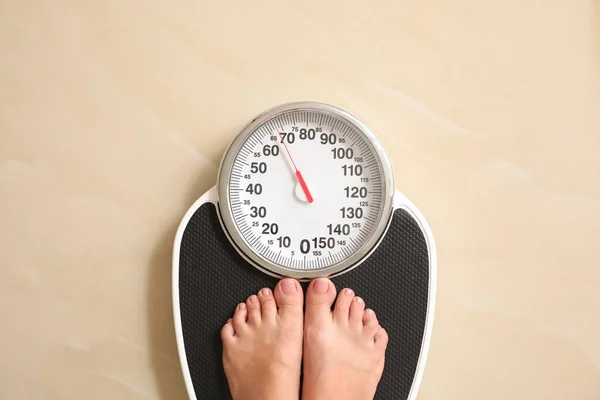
[[114, 115]]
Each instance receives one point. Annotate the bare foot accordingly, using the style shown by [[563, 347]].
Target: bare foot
[[262, 344], [344, 350]]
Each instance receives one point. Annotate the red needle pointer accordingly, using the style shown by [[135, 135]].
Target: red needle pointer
[[298, 173]]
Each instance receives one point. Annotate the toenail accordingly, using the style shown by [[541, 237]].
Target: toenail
[[349, 292], [370, 312], [253, 299], [242, 306], [289, 286], [358, 300], [321, 286], [266, 292]]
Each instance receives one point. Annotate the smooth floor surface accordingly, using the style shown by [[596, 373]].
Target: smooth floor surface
[[114, 116]]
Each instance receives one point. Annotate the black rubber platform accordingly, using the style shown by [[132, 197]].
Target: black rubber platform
[[214, 278]]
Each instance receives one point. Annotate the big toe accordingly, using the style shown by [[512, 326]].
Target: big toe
[[289, 298], [319, 298]]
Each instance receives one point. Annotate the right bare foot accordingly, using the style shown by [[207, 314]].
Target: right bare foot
[[344, 350]]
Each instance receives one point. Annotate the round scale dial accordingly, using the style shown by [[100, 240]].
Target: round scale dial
[[305, 190]]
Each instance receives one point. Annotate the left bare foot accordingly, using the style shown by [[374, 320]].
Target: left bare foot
[[262, 344]]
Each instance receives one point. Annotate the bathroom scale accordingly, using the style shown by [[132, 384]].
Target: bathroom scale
[[305, 190]]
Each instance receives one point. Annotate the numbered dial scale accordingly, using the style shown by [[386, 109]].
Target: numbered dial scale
[[305, 190]]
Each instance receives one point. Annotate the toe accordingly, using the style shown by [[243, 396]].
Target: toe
[[268, 307], [319, 298], [239, 318], [227, 332], [370, 322], [288, 294], [341, 310], [381, 338], [357, 309], [253, 306]]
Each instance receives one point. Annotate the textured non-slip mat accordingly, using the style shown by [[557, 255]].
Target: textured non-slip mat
[[214, 278]]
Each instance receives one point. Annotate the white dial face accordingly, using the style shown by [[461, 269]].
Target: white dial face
[[306, 190]]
